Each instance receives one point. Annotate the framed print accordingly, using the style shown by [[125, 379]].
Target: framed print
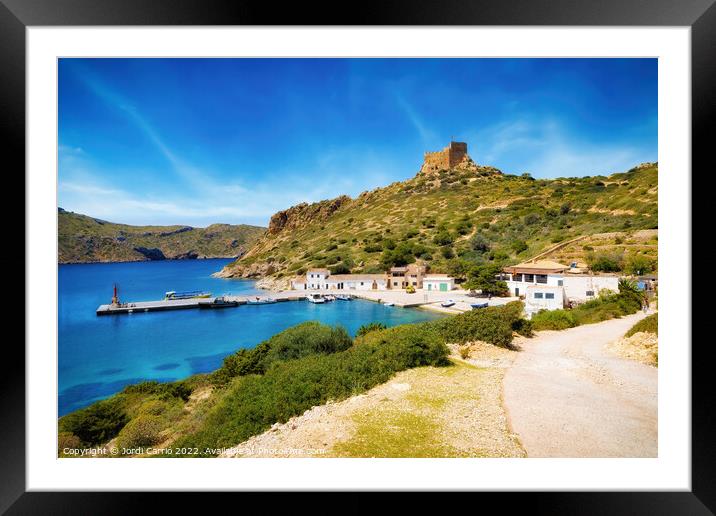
[[427, 249]]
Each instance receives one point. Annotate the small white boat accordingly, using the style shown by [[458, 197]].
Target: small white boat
[[388, 303], [315, 298], [329, 297], [260, 301], [447, 303], [344, 297]]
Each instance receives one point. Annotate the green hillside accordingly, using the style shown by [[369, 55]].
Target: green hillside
[[85, 239], [450, 220]]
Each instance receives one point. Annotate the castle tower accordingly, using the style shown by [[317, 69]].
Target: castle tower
[[450, 157]]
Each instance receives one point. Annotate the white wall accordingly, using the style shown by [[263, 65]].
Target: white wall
[[434, 285], [534, 304], [576, 287]]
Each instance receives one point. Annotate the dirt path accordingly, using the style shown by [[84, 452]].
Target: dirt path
[[567, 396]]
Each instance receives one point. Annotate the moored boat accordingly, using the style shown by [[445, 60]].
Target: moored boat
[[475, 306], [260, 301], [447, 303], [191, 294], [218, 302], [329, 297], [344, 297], [388, 303], [315, 298]]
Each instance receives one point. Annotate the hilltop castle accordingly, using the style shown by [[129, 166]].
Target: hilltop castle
[[450, 157]]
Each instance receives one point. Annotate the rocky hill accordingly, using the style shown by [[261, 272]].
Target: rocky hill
[[449, 217], [83, 239]]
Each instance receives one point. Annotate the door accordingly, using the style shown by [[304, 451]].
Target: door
[[430, 286], [443, 287], [517, 292]]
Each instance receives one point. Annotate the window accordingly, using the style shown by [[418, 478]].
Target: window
[[542, 278], [529, 278], [549, 295], [517, 277], [538, 295], [590, 293], [560, 283]]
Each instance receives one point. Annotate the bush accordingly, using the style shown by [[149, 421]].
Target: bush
[[164, 390], [605, 262], [639, 264], [493, 324], [341, 268], [143, 430], [443, 238], [298, 341], [97, 423], [67, 440], [290, 388], [649, 324], [369, 327], [479, 243], [553, 320]]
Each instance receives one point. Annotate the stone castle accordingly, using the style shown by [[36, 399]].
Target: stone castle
[[450, 157]]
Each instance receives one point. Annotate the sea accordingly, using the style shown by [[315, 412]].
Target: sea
[[99, 355]]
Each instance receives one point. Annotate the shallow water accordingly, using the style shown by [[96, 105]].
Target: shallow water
[[98, 356]]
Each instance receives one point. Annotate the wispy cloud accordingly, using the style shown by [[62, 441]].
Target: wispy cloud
[[422, 129], [547, 149]]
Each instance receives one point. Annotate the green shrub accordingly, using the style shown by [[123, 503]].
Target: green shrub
[[67, 441], [553, 320], [649, 324], [290, 388], [163, 389], [369, 327], [606, 262], [493, 324], [97, 423], [639, 264], [143, 430], [295, 342]]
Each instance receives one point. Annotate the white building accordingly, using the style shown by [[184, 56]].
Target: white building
[[322, 279], [577, 285], [439, 282], [543, 297]]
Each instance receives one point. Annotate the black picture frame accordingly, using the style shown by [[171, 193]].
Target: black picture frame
[[17, 15]]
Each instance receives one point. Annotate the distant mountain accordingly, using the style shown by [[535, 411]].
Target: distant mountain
[[452, 213], [83, 239]]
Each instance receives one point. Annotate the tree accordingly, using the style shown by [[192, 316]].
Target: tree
[[479, 243], [443, 238], [639, 264], [484, 278]]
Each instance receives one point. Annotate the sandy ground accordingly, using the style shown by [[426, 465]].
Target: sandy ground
[[423, 298], [566, 395], [642, 347], [451, 411]]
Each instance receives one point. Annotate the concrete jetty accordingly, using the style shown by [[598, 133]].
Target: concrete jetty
[[181, 304], [421, 299]]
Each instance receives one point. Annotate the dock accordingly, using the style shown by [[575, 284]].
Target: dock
[[401, 299], [176, 304]]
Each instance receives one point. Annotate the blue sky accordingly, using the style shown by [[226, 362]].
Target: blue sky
[[198, 141]]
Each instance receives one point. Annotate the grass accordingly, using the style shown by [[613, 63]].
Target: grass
[[394, 434], [649, 324]]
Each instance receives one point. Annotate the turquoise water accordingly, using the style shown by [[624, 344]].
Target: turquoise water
[[98, 356]]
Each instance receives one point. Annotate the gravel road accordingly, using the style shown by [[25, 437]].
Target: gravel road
[[566, 396]]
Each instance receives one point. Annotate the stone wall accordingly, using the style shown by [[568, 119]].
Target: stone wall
[[445, 159]]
